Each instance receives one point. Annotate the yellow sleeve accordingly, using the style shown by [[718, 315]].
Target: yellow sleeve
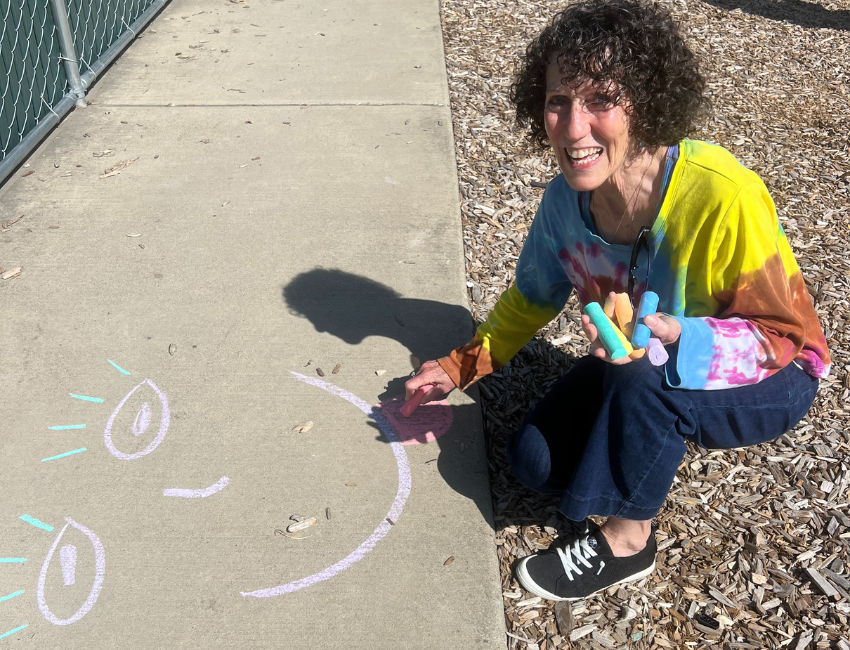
[[511, 324]]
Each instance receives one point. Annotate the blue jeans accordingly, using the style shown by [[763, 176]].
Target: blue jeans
[[609, 439]]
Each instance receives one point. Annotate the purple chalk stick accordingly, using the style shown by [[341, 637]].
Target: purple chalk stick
[[657, 353]]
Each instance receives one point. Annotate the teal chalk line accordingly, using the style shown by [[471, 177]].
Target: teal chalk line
[[10, 596], [119, 368], [68, 426], [17, 629], [12, 559], [35, 522], [87, 399], [67, 453]]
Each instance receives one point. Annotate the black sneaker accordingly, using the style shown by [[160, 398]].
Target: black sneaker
[[580, 564]]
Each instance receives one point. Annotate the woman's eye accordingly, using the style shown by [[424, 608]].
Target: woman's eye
[[556, 102]]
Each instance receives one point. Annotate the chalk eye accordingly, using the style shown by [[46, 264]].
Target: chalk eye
[[143, 420], [147, 392], [68, 557]]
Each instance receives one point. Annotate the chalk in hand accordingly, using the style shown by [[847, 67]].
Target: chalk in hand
[[648, 305], [413, 403], [606, 330], [609, 305], [623, 314], [623, 340], [657, 353]]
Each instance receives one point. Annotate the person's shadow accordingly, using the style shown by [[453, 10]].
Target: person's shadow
[[353, 308], [804, 14]]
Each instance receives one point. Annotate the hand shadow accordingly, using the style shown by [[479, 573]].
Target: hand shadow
[[352, 308]]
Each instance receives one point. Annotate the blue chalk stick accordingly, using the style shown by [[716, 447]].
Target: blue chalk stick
[[648, 305], [605, 330]]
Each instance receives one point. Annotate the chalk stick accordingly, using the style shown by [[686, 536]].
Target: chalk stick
[[608, 306], [657, 353], [623, 314], [648, 305], [606, 331], [623, 340], [413, 403]]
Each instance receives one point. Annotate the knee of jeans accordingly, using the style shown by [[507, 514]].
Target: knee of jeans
[[635, 378], [528, 455]]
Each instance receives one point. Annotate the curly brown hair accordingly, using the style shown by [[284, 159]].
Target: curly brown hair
[[631, 52]]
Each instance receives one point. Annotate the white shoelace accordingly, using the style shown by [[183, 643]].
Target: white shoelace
[[581, 550]]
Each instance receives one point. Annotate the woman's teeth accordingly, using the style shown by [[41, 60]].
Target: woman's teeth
[[583, 156]]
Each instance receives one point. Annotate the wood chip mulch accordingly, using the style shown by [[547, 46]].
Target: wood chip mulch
[[753, 542]]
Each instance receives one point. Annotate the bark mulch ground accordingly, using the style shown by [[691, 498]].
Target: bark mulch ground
[[753, 542]]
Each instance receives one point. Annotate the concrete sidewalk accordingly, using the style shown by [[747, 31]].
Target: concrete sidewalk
[[258, 189]]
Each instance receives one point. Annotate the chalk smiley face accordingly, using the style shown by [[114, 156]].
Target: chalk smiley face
[[139, 423]]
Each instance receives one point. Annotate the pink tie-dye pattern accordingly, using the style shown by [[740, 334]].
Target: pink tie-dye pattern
[[588, 285], [812, 364], [738, 355]]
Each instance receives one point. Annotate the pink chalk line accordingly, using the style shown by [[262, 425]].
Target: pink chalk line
[[384, 527], [99, 573], [197, 494], [140, 424]]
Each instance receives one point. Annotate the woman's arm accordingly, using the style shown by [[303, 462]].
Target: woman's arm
[[540, 291], [767, 319]]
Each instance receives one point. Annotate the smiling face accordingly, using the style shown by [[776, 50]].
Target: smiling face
[[589, 133]]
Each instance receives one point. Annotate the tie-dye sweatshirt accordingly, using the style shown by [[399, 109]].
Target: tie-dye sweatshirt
[[721, 265]]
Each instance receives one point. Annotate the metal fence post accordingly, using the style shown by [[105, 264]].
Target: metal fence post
[[66, 48]]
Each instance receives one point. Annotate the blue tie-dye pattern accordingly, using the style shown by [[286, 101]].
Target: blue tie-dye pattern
[[563, 251], [690, 368]]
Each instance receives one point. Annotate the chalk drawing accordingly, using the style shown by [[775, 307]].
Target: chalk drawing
[[100, 571], [425, 424], [97, 400], [68, 426], [35, 522], [10, 596], [67, 453], [10, 632], [12, 560], [68, 557], [143, 420], [197, 494], [384, 527], [118, 368], [140, 424]]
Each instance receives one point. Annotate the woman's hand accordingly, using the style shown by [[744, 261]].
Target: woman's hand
[[429, 373], [665, 328]]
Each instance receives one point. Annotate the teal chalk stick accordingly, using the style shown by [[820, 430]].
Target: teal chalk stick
[[605, 330]]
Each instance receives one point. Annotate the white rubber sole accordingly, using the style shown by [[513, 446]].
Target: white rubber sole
[[529, 585]]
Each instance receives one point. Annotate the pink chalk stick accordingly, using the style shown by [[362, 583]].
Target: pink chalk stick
[[413, 403]]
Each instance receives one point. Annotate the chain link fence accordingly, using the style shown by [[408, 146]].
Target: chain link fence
[[35, 80], [51, 51]]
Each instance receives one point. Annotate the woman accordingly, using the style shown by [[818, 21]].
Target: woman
[[614, 90]]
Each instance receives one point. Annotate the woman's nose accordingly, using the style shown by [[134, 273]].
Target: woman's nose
[[577, 122]]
